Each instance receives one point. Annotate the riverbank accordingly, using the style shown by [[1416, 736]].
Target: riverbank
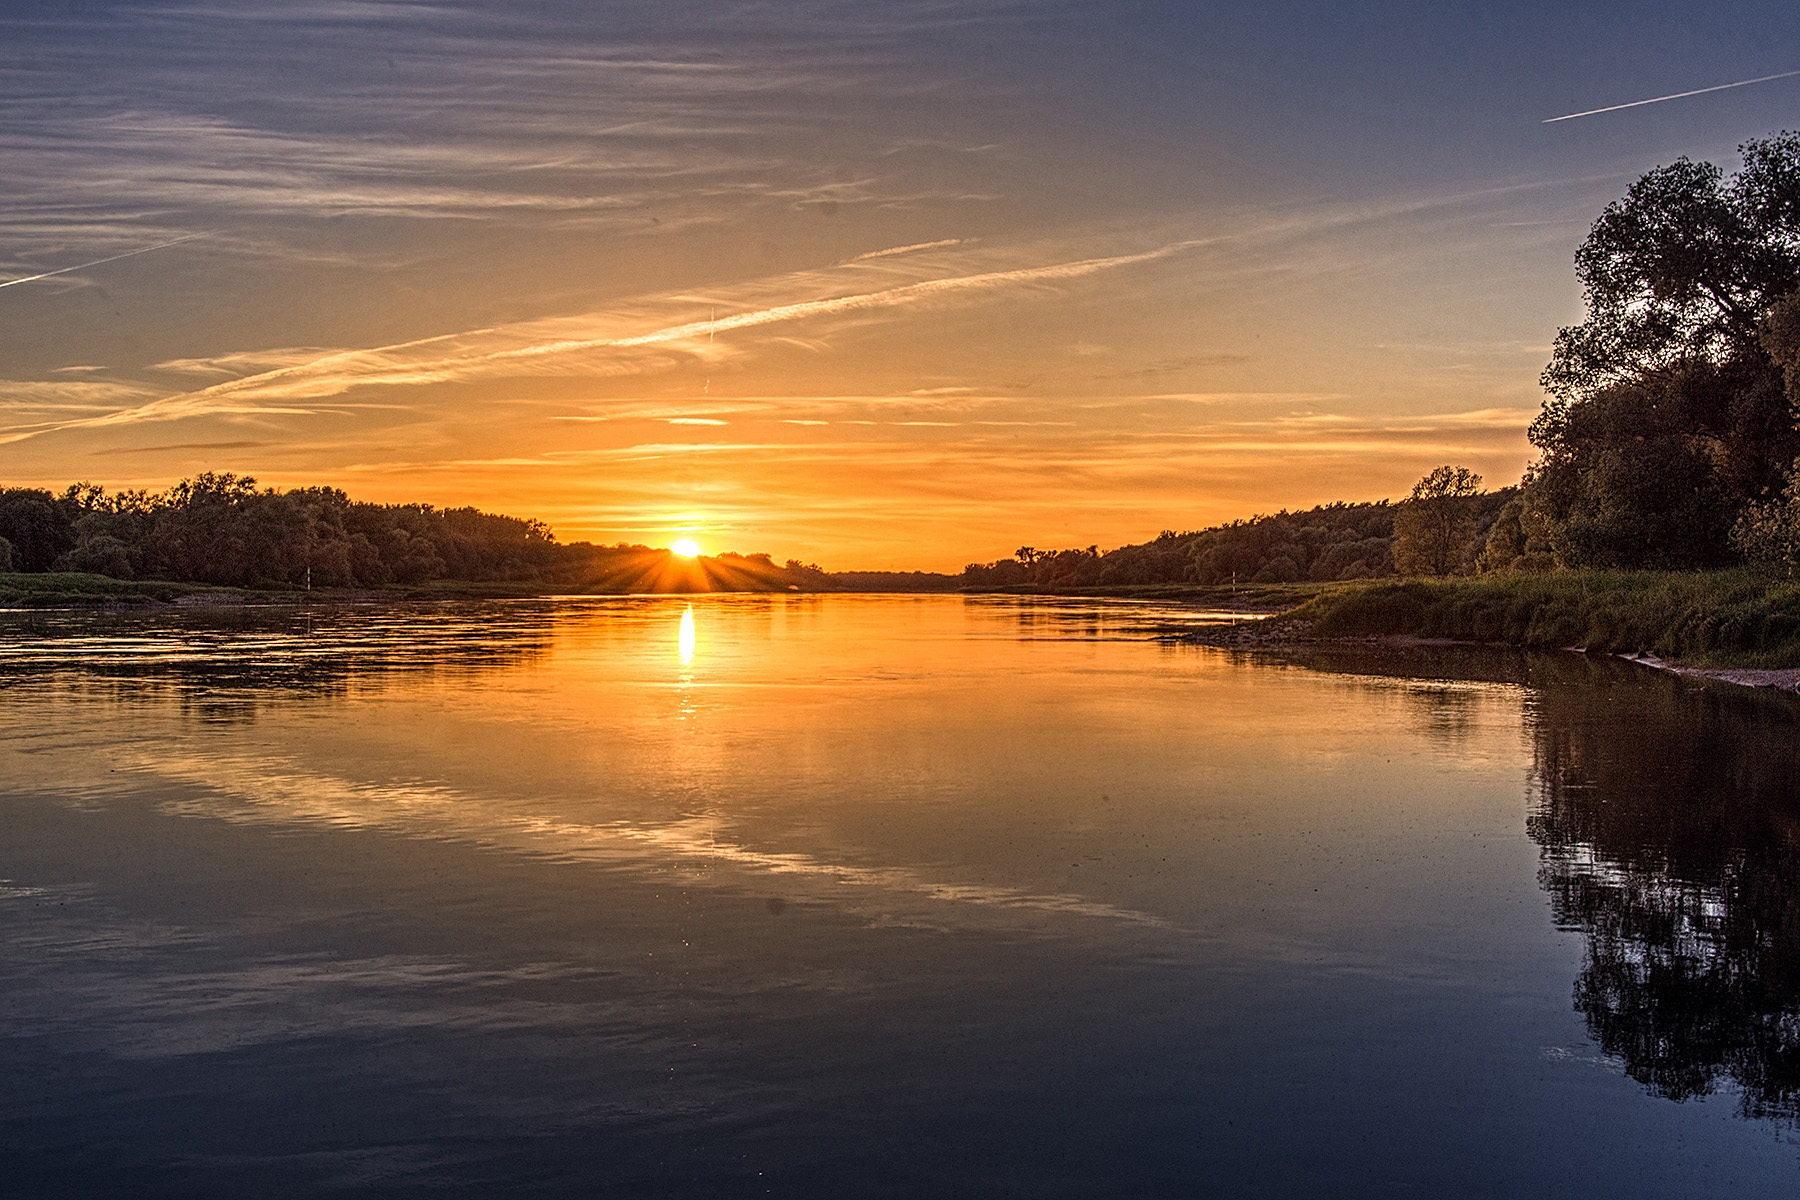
[[69, 589], [72, 589], [1739, 626]]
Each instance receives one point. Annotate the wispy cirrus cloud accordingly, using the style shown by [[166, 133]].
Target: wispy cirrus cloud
[[422, 111], [657, 334], [68, 393], [238, 363], [538, 347]]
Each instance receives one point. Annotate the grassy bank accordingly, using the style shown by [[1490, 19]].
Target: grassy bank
[[1737, 618], [72, 589], [60, 588]]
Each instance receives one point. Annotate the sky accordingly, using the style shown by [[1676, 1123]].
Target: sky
[[880, 286]]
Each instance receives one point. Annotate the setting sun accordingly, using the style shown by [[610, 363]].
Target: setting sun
[[1248, 582]]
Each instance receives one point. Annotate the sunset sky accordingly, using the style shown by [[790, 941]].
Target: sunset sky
[[902, 284]]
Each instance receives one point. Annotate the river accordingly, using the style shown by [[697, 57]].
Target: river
[[917, 896]]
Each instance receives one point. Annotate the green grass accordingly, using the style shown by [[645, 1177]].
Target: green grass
[[63, 589], [1737, 618], [60, 588]]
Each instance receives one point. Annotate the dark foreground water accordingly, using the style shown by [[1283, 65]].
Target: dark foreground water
[[879, 896]]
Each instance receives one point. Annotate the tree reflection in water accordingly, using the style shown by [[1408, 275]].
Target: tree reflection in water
[[1669, 817]]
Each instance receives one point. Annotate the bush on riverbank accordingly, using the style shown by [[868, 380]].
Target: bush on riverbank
[[1738, 617]]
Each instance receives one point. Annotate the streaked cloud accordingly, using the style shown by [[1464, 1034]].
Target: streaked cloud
[[68, 393], [170, 447], [243, 362], [536, 346]]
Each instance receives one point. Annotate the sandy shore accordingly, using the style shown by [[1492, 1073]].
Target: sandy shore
[[1786, 679]]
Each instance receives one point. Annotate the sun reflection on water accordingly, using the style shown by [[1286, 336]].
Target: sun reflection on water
[[685, 640]]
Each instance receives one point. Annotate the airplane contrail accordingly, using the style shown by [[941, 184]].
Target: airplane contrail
[[892, 250], [1675, 96], [115, 258]]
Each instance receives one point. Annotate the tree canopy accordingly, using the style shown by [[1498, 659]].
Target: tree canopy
[[1435, 527], [1684, 267], [1669, 416]]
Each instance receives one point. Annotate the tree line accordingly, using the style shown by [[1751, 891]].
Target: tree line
[[220, 528], [1437, 532], [1668, 440]]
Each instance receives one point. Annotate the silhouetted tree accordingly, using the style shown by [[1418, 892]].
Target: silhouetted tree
[[1668, 414], [37, 526], [1683, 268], [1434, 528]]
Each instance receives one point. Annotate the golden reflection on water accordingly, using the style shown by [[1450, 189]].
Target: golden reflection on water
[[912, 759], [1301, 894]]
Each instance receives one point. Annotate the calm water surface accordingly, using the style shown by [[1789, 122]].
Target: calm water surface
[[879, 896]]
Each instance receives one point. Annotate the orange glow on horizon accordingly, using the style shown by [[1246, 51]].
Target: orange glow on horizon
[[949, 314]]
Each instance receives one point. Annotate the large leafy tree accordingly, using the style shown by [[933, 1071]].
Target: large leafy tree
[[1434, 527], [35, 526], [1685, 267], [1667, 415]]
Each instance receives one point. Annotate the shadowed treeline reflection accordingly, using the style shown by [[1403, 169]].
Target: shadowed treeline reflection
[[1667, 813], [1669, 817]]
